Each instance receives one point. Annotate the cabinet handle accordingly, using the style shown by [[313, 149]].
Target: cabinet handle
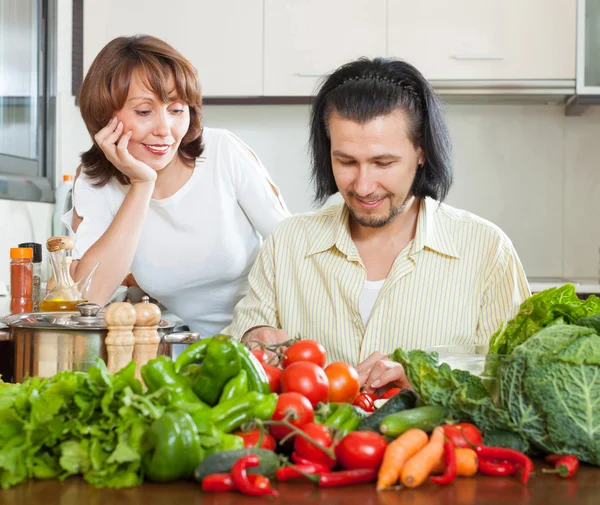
[[481, 57]]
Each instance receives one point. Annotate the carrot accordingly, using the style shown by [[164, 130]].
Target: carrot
[[396, 454], [417, 469], [466, 463]]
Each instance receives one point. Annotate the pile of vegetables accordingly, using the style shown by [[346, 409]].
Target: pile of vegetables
[[548, 381]]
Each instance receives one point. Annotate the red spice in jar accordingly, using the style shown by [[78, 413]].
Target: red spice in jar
[[21, 280]]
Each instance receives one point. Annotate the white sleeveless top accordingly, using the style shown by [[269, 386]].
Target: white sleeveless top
[[368, 298], [198, 245]]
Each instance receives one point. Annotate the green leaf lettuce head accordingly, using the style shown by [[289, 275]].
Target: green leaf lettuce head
[[553, 306]]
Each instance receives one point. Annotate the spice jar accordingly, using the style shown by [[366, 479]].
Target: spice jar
[[37, 272], [21, 280]]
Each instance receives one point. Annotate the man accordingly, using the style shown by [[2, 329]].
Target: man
[[392, 266]]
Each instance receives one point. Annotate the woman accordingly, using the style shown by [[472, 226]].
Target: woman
[[180, 206]]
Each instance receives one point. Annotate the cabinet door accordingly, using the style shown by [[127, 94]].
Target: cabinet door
[[588, 47], [305, 39], [222, 39], [485, 39]]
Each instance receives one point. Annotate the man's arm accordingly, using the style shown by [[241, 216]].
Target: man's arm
[[503, 293]]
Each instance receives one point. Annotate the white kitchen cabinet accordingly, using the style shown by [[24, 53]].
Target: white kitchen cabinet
[[485, 39], [305, 39], [222, 39]]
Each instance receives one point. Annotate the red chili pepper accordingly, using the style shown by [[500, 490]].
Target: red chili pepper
[[347, 477], [300, 460], [510, 455], [496, 468], [449, 466], [298, 471], [223, 482], [243, 483], [566, 466]]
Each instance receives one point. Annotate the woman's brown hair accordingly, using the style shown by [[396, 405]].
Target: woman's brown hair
[[106, 85]]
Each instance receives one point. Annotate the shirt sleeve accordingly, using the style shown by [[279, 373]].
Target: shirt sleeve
[[503, 292], [91, 205], [255, 191], [259, 306]]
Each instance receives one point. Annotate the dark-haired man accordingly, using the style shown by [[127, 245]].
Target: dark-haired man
[[392, 266]]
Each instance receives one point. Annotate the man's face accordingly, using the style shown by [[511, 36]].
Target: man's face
[[374, 166]]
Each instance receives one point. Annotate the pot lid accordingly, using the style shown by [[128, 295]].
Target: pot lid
[[89, 317]]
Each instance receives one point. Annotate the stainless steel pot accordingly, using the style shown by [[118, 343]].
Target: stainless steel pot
[[44, 343]]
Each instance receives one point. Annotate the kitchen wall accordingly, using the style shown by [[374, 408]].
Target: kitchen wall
[[528, 168]]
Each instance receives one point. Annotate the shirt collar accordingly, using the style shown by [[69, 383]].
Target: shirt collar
[[332, 229], [432, 230]]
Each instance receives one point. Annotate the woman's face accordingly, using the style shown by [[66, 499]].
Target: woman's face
[[157, 127]]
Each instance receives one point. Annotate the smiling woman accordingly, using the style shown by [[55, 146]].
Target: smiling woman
[[180, 206]]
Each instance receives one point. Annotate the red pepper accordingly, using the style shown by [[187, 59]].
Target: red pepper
[[243, 483], [449, 466], [496, 468], [298, 471], [300, 460], [223, 482], [347, 477], [564, 465], [510, 455]]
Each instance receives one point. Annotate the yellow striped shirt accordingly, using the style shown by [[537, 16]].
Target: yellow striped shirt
[[454, 283]]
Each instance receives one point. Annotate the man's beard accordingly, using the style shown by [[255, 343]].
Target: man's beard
[[380, 222]]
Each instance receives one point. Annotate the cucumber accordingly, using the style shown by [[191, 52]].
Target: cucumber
[[405, 399], [222, 462], [422, 418]]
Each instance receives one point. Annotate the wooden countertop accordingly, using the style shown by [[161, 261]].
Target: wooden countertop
[[541, 490]]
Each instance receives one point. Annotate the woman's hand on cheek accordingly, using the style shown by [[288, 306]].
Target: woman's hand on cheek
[[113, 142]]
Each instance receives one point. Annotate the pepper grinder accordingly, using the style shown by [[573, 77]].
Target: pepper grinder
[[145, 333], [120, 318]]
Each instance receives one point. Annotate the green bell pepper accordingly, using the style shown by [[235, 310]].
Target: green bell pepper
[[172, 448], [193, 354], [231, 442], [235, 387], [159, 373], [265, 408], [230, 415], [221, 363], [232, 407]]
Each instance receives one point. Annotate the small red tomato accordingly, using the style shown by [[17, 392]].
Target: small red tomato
[[252, 437], [463, 435], [344, 384], [307, 450], [305, 350], [389, 393], [296, 408], [274, 375], [260, 355], [307, 379], [365, 402], [361, 449]]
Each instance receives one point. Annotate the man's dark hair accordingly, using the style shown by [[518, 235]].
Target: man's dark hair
[[368, 88]]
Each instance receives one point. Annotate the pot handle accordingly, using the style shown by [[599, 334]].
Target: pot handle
[[184, 337], [5, 335]]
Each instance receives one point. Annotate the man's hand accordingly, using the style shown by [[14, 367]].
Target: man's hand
[[264, 335], [378, 373]]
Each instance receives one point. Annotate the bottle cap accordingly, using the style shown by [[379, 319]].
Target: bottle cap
[[37, 250], [21, 253], [67, 178]]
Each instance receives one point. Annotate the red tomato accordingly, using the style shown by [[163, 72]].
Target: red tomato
[[296, 408], [252, 437], [260, 355], [307, 450], [365, 401], [344, 383], [389, 393], [463, 434], [305, 350], [274, 375], [307, 379], [361, 449]]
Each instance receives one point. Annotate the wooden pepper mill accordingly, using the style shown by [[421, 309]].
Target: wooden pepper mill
[[145, 333], [120, 318]]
